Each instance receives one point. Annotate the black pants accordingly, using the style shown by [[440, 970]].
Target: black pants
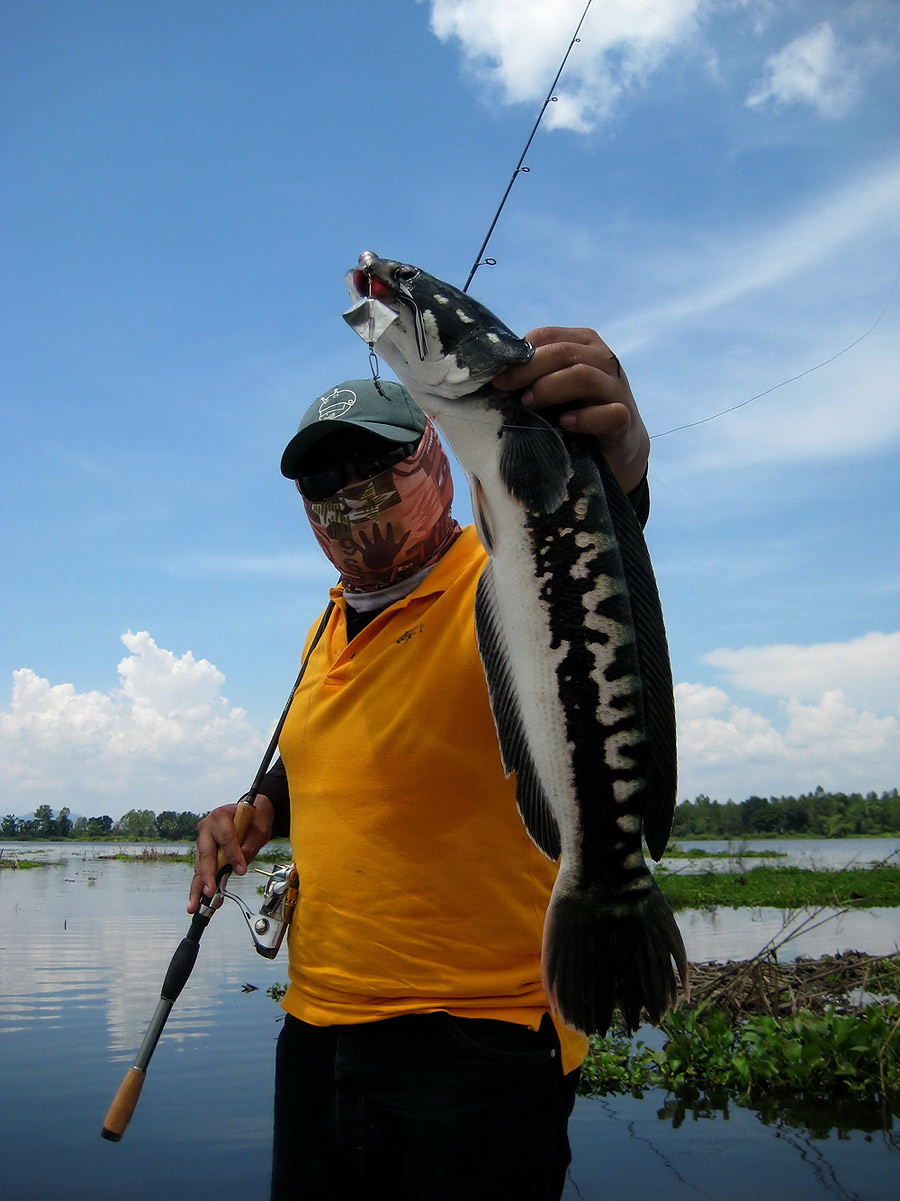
[[420, 1108]]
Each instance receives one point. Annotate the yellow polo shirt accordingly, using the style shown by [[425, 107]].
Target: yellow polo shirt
[[420, 890]]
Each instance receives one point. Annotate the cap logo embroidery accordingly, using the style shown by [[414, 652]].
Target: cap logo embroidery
[[336, 404]]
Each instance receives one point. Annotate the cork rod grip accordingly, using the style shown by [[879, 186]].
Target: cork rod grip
[[243, 816], [123, 1106]]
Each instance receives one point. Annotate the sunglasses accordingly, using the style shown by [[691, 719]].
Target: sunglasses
[[368, 462]]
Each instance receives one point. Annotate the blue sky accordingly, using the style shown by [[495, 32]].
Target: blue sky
[[715, 191]]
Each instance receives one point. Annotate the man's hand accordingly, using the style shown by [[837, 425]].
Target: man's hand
[[216, 831], [575, 369]]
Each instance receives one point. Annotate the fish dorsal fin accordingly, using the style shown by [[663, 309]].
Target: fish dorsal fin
[[534, 463], [514, 751], [655, 665]]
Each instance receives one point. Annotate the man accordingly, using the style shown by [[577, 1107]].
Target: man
[[418, 1058]]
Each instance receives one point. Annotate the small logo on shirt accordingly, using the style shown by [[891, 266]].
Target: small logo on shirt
[[407, 634]]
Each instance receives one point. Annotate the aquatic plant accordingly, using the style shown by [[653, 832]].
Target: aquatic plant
[[12, 861], [783, 888], [808, 1055]]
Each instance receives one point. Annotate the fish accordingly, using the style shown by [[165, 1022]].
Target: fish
[[571, 636]]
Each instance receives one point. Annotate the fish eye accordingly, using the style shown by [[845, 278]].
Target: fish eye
[[405, 272]]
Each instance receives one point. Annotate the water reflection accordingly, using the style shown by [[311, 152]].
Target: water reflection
[[682, 1148], [716, 935], [817, 854], [819, 1116], [84, 946], [103, 934]]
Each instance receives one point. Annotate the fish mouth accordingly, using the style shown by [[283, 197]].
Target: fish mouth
[[380, 290], [380, 279]]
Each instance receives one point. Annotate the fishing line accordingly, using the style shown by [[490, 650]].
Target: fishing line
[[791, 379]]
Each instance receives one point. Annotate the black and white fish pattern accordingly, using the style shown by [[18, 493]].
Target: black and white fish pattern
[[570, 632]]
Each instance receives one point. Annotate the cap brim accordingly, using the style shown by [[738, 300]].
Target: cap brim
[[304, 441]]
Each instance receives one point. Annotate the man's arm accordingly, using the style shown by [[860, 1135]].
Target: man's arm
[[275, 787]]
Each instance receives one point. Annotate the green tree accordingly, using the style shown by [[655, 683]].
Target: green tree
[[137, 824], [167, 825], [9, 827], [730, 819], [44, 822], [64, 823], [187, 826]]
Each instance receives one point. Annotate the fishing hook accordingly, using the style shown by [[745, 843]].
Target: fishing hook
[[374, 365]]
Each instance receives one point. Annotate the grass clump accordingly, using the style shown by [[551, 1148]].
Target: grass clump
[[783, 888]]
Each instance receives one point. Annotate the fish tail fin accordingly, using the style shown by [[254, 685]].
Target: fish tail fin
[[600, 954]]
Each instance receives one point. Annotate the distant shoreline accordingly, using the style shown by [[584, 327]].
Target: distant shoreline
[[677, 841]]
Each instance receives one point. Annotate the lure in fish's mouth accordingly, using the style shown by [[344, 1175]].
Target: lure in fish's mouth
[[381, 279], [379, 285], [369, 285]]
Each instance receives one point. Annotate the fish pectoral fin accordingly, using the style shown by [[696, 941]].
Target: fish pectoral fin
[[534, 463], [480, 514], [514, 750]]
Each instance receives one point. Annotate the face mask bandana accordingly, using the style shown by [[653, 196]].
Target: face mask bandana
[[384, 534]]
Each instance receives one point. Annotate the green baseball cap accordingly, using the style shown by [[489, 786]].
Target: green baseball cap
[[386, 410]]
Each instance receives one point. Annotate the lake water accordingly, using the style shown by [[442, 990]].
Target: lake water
[[84, 945], [822, 854]]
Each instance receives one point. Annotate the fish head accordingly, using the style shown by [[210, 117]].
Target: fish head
[[441, 343]]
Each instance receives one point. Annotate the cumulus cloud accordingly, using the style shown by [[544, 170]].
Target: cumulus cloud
[[164, 739], [517, 46], [813, 69], [837, 723], [866, 669]]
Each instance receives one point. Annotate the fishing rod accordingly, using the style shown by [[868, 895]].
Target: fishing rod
[[520, 168], [268, 929], [479, 262]]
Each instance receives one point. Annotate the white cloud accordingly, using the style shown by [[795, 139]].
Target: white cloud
[[813, 69], [164, 739], [866, 670], [518, 45], [837, 724]]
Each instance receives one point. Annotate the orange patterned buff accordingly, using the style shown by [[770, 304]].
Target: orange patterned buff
[[388, 531]]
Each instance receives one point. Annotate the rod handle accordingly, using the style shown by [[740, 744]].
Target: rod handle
[[123, 1106], [243, 816]]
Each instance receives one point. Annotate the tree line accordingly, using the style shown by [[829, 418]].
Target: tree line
[[133, 826], [818, 814]]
